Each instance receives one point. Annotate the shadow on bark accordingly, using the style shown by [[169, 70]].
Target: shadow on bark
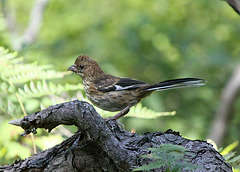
[[101, 146]]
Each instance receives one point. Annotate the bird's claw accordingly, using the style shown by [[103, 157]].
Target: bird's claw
[[111, 119]]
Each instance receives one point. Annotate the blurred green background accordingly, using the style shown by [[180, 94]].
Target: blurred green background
[[152, 40]]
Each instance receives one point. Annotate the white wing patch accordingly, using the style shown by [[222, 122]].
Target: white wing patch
[[118, 87]]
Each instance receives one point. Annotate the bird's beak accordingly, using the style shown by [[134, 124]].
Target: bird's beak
[[72, 68]]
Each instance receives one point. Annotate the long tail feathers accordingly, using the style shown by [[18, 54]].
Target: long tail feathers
[[176, 83]]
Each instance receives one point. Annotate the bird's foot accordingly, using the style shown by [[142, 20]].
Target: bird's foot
[[111, 119]]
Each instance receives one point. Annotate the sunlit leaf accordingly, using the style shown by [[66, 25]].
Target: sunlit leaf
[[229, 148]]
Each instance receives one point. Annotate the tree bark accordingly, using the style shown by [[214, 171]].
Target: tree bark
[[235, 4], [101, 146]]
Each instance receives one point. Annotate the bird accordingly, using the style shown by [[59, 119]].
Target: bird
[[113, 93]]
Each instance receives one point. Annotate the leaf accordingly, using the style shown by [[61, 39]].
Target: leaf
[[16, 149], [150, 166], [44, 88], [29, 80], [33, 88], [235, 159], [229, 148], [229, 156], [27, 90], [171, 156], [139, 111]]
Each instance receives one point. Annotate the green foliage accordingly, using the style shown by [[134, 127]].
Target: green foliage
[[169, 156], [24, 88], [10, 149], [139, 111], [42, 88], [150, 41], [27, 84], [230, 155], [146, 40]]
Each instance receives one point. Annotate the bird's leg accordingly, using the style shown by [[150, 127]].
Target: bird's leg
[[119, 114]]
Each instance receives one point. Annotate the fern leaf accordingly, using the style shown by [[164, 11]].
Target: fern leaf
[[28, 90], [170, 156], [154, 165], [6, 55], [33, 88], [27, 80], [45, 86], [39, 89], [22, 93], [139, 111], [15, 71]]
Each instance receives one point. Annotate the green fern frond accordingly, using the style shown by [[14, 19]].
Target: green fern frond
[[137, 111], [34, 75], [154, 165], [230, 155], [169, 156], [15, 71], [24, 68], [10, 57], [42, 88], [168, 148], [29, 81]]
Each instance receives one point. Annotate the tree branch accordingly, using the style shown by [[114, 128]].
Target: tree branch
[[34, 23], [33, 28], [10, 20], [235, 4], [103, 147]]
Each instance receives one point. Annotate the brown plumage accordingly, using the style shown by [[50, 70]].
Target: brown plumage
[[113, 93]]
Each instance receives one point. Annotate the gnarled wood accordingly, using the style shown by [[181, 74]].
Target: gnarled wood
[[101, 146]]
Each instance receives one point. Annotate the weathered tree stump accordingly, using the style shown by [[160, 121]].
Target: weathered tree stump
[[101, 146]]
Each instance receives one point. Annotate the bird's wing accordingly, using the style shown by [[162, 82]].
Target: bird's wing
[[110, 83]]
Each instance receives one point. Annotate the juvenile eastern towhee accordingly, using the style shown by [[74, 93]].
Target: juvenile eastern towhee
[[113, 93]]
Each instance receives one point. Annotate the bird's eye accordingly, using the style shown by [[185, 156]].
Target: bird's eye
[[81, 66]]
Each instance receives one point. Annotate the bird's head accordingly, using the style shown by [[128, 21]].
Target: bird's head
[[86, 67]]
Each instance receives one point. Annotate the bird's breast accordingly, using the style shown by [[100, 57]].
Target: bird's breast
[[113, 100]]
